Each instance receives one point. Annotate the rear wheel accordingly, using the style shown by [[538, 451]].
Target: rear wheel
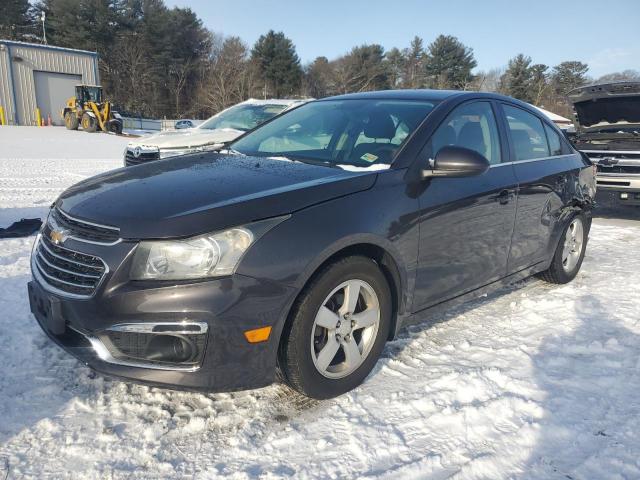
[[569, 254], [89, 124], [339, 327], [71, 121]]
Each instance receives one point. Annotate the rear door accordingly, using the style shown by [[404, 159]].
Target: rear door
[[541, 164], [465, 223]]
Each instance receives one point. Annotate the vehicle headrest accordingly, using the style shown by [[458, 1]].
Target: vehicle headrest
[[380, 125], [522, 144], [470, 136]]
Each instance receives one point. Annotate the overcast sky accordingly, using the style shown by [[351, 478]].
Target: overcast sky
[[550, 31]]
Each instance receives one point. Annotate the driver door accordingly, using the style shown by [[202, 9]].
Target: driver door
[[466, 224]]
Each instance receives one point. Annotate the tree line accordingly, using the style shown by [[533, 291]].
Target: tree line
[[157, 61]]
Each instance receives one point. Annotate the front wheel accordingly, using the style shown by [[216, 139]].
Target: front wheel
[[71, 121], [89, 123], [338, 329], [569, 254]]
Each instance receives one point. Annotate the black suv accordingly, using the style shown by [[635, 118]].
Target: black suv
[[308, 243]]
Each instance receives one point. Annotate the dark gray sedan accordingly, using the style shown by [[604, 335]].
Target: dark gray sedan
[[308, 243]]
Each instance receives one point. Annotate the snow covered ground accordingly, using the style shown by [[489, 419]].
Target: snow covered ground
[[537, 381]]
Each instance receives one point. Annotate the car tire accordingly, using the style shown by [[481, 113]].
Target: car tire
[[309, 339], [71, 121], [115, 126], [89, 124], [569, 253]]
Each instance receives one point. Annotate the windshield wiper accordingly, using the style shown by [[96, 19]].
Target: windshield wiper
[[310, 161]]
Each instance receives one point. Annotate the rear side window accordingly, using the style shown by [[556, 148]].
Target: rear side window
[[527, 134], [555, 144], [471, 126]]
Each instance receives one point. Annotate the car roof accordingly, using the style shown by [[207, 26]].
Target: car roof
[[408, 94], [421, 94]]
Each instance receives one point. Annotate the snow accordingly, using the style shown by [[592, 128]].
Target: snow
[[537, 381]]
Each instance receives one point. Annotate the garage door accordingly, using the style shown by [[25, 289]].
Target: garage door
[[52, 92]]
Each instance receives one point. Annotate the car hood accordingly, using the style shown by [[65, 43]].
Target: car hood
[[607, 106], [187, 138], [199, 193]]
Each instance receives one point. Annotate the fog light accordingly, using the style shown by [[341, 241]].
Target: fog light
[[163, 345], [624, 196], [170, 348]]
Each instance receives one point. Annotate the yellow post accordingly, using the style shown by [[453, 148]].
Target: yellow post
[[38, 118], [2, 121]]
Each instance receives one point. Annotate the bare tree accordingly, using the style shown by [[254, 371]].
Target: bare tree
[[228, 78]]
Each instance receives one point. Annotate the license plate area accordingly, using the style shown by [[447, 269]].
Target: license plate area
[[47, 309]]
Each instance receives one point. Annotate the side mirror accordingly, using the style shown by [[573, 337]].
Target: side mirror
[[454, 161]]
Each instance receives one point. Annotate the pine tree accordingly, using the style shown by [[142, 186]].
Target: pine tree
[[396, 63], [539, 83], [18, 21], [414, 64], [278, 64], [319, 78], [517, 79], [449, 63], [363, 69], [569, 75]]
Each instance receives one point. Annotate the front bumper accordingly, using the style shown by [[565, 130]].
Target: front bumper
[[228, 306], [618, 189], [618, 182]]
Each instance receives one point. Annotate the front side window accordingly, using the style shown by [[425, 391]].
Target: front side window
[[471, 126], [358, 132], [527, 134], [242, 117]]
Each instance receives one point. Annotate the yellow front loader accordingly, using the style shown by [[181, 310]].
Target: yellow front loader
[[88, 110]]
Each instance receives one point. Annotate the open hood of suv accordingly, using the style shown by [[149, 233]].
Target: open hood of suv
[[607, 106]]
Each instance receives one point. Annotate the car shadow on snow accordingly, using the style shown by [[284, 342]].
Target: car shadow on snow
[[591, 380]]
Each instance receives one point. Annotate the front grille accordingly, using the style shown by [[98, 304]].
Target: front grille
[[82, 230], [615, 162], [130, 159], [66, 270], [620, 169], [597, 155]]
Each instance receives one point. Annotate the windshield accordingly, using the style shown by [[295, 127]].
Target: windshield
[[243, 117], [352, 132], [90, 94]]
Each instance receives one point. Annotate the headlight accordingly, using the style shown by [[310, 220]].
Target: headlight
[[204, 256]]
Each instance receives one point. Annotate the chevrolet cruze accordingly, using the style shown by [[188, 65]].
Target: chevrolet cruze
[[310, 242]]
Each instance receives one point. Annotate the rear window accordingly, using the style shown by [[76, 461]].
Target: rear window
[[555, 144]]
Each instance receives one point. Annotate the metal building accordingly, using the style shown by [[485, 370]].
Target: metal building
[[43, 77]]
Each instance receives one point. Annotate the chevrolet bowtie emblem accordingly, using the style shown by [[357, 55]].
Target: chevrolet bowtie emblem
[[58, 236]]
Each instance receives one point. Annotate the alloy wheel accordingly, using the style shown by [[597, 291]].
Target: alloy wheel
[[573, 242], [345, 329]]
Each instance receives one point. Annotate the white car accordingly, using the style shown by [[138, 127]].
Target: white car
[[210, 135]]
